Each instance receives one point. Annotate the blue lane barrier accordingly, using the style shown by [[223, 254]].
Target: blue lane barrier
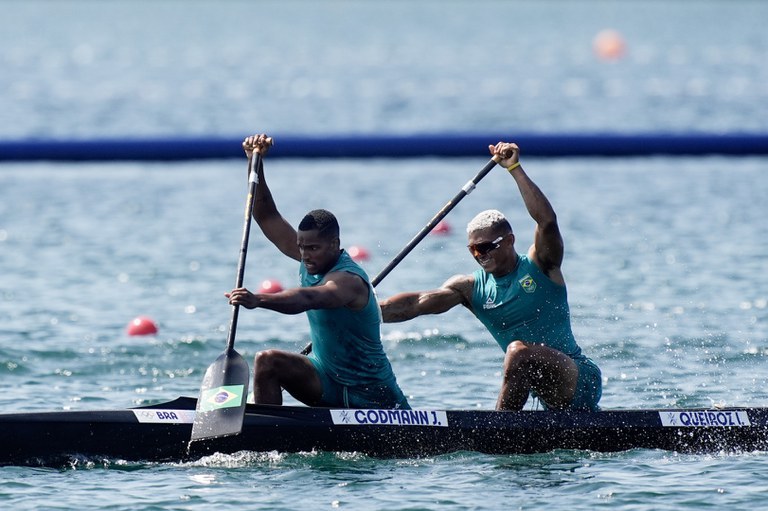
[[387, 146]]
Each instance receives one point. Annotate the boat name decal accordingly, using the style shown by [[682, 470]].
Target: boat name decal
[[705, 418], [390, 417], [158, 415]]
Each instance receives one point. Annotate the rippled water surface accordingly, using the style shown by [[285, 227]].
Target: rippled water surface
[[665, 257]]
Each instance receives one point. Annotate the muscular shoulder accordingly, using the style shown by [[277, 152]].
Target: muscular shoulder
[[462, 285], [350, 288], [551, 270], [347, 279]]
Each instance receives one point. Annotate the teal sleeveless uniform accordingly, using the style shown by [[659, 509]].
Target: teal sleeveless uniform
[[526, 305], [347, 351]]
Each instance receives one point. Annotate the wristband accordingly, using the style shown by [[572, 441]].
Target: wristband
[[513, 167]]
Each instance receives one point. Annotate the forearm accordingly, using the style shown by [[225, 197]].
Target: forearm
[[535, 201], [264, 206], [547, 250], [263, 203], [270, 221], [290, 301], [401, 307], [405, 306]]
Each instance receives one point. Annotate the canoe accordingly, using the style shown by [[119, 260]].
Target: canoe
[[161, 432]]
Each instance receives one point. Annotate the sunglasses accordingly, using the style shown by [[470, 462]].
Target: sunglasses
[[481, 249]]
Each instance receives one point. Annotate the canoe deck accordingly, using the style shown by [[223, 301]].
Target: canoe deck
[[161, 432]]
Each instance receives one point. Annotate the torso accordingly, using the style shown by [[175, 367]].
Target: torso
[[525, 305], [346, 341]]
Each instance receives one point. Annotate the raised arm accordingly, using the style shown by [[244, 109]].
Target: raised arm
[[547, 250], [276, 228], [404, 306]]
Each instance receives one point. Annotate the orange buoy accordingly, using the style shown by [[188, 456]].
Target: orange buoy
[[141, 325], [609, 45], [358, 253], [270, 286], [442, 227]]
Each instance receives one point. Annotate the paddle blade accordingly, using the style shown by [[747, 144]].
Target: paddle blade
[[221, 405]]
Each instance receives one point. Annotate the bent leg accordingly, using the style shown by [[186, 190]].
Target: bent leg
[[275, 370], [552, 374]]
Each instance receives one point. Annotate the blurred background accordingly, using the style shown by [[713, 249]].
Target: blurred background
[[79, 69]]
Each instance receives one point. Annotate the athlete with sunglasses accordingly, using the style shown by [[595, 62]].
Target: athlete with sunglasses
[[522, 301]]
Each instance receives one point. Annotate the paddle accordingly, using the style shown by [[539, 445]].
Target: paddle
[[465, 190], [221, 405]]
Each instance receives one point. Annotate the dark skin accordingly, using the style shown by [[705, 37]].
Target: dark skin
[[527, 366], [275, 370]]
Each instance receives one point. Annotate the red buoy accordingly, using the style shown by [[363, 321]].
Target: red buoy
[[442, 227], [141, 325], [358, 253], [609, 45], [270, 286]]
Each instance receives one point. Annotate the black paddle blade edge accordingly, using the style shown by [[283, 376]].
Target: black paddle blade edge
[[221, 405]]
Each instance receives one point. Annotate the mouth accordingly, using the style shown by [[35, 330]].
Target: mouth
[[483, 260]]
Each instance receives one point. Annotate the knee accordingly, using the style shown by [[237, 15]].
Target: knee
[[517, 356], [517, 351], [266, 361]]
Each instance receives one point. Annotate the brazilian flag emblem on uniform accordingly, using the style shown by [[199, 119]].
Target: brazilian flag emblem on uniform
[[527, 283]]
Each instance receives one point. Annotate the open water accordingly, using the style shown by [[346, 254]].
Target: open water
[[665, 257]]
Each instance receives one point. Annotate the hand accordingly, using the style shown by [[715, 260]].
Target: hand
[[259, 143], [242, 296], [507, 151]]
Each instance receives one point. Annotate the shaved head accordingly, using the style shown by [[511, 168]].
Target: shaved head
[[322, 220]]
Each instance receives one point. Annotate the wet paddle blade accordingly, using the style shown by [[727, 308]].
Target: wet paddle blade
[[221, 405]]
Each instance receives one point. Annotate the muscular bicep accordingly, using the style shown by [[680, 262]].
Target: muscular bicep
[[547, 247], [547, 252], [404, 306], [454, 291], [339, 289], [437, 301]]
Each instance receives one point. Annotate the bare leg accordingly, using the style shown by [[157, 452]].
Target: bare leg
[[515, 385], [549, 372], [275, 370]]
